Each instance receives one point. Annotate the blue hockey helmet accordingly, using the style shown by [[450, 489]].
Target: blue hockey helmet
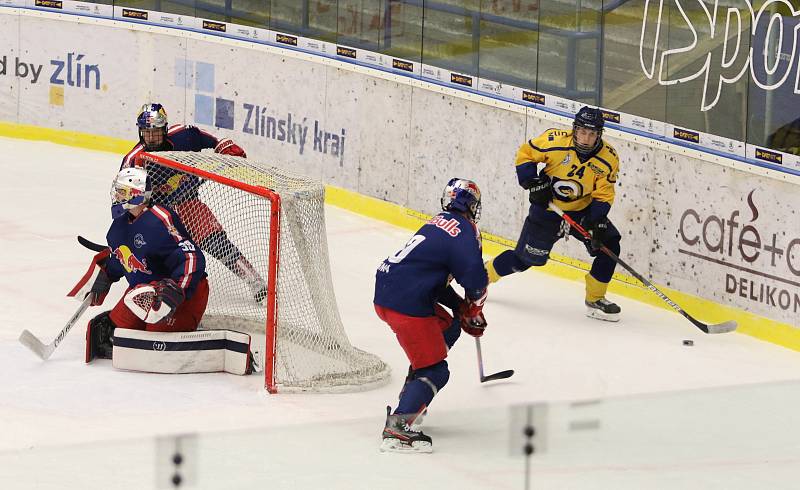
[[589, 118], [131, 187], [152, 124], [462, 195]]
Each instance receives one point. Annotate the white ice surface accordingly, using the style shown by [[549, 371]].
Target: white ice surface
[[50, 193]]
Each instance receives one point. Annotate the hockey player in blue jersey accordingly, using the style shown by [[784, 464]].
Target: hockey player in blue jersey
[[165, 269], [180, 191], [410, 288]]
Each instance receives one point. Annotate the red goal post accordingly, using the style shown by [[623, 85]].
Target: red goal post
[[306, 348]]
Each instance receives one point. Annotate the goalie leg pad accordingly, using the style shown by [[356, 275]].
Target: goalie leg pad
[[204, 351], [98, 337]]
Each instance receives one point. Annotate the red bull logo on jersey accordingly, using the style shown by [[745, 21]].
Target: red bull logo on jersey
[[129, 261], [448, 225], [172, 184]]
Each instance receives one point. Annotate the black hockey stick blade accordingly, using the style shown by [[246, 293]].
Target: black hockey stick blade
[[496, 376], [96, 247]]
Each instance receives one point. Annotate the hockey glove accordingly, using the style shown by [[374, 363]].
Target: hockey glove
[[228, 147], [154, 302], [168, 297], [100, 287], [539, 190], [470, 315], [598, 231]]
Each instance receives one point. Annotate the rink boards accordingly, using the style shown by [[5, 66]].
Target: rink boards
[[722, 236]]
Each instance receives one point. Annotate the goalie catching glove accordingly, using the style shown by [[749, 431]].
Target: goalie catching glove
[[156, 301], [470, 315], [228, 147]]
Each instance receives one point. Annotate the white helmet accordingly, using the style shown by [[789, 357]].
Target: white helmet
[[131, 187]]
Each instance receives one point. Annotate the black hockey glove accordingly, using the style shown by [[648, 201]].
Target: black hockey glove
[[100, 287], [598, 230], [539, 190]]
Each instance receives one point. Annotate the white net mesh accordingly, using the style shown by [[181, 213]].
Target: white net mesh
[[232, 227]]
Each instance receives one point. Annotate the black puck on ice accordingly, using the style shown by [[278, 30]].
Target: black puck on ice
[[688, 342]]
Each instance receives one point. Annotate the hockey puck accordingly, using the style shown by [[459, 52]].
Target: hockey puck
[[688, 342]]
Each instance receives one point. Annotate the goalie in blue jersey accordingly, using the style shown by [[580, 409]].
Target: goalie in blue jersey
[[410, 288]]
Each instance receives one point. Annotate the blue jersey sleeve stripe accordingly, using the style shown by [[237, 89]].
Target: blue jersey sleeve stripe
[[552, 148], [610, 170]]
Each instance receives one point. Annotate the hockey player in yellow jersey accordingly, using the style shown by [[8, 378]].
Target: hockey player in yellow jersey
[[576, 170]]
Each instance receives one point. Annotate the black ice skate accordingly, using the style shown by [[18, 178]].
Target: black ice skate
[[99, 333], [400, 437], [603, 309]]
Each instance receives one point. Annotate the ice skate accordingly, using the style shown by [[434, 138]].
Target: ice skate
[[400, 437], [603, 309]]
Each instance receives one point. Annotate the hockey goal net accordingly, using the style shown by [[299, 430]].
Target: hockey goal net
[[262, 231]]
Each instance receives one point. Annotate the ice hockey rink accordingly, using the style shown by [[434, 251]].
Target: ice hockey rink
[[615, 405]]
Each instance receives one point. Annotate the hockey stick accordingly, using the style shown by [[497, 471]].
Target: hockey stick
[[95, 247], [723, 327], [45, 351], [491, 377]]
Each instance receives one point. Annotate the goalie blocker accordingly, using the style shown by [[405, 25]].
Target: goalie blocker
[[203, 351]]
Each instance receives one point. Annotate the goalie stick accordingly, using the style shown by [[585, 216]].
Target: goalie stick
[[96, 247], [723, 327], [30, 341], [45, 351], [491, 377]]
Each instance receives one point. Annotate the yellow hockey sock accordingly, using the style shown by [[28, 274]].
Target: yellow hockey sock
[[595, 289]]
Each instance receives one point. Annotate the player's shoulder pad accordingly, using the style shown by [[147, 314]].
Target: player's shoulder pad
[[129, 159], [553, 139], [166, 217], [177, 128]]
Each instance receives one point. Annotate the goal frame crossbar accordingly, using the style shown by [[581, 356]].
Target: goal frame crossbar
[[274, 247]]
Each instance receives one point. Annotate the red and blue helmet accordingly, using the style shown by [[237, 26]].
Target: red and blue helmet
[[152, 115], [462, 195]]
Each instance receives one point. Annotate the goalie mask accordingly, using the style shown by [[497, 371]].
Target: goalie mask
[[152, 124], [590, 119], [462, 195], [131, 188]]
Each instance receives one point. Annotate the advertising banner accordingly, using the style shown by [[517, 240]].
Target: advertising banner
[[705, 229], [71, 76], [11, 67], [730, 237]]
